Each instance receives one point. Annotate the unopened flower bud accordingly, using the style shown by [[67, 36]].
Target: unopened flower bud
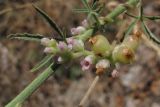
[[78, 46], [87, 63], [45, 41], [101, 66], [62, 46], [99, 44], [115, 73], [123, 54], [75, 44]]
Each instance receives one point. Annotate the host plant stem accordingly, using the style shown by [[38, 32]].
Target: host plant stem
[[43, 76]]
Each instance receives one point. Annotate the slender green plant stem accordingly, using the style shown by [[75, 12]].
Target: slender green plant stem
[[152, 17], [19, 99], [48, 72]]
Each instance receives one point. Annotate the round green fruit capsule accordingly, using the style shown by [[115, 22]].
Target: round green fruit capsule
[[99, 45], [123, 54]]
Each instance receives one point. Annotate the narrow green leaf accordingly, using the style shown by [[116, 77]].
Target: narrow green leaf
[[49, 20], [130, 28], [94, 4], [42, 63], [85, 3], [150, 34], [141, 12], [26, 36], [95, 16]]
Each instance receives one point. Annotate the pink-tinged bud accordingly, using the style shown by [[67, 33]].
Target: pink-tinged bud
[[75, 45], [87, 63], [62, 46], [115, 73], [85, 23], [74, 31], [70, 40], [60, 60], [48, 50], [45, 41], [101, 66], [78, 30]]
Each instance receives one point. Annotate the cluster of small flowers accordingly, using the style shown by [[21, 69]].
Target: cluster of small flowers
[[89, 61], [54, 47], [71, 45], [102, 52]]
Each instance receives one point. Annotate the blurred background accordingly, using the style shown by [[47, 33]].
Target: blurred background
[[137, 86]]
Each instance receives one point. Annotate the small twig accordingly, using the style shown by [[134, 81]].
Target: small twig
[[89, 91]]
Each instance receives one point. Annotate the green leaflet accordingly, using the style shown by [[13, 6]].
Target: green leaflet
[[26, 36], [150, 34], [81, 10], [51, 22], [130, 28], [42, 63]]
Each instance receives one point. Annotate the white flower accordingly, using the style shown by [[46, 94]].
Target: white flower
[[87, 63], [115, 73], [48, 50], [60, 60], [45, 41], [103, 64], [78, 30]]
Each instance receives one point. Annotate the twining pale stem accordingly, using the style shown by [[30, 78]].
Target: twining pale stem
[[89, 91]]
